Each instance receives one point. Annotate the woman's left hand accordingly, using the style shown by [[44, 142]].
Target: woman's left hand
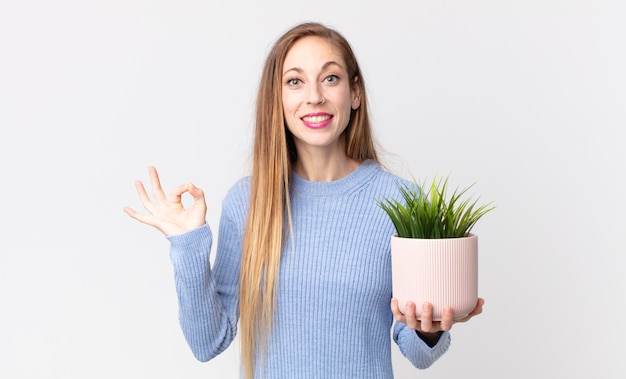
[[426, 323]]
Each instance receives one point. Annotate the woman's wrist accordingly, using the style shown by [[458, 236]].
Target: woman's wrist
[[430, 339]]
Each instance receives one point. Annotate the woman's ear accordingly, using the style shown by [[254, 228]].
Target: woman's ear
[[355, 94]]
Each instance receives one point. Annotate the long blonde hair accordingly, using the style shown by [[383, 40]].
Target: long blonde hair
[[269, 217]]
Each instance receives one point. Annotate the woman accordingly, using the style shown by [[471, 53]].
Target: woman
[[302, 263]]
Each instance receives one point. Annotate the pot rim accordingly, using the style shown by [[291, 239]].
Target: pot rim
[[469, 235]]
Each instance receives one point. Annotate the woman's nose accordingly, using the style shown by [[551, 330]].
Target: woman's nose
[[315, 96]]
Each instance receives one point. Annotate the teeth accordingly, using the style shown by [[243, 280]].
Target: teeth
[[316, 119]]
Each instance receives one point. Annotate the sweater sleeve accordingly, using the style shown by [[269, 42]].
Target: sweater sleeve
[[206, 299], [417, 351]]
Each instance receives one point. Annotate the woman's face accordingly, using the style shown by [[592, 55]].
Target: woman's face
[[317, 95]]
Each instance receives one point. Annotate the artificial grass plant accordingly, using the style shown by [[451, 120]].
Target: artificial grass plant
[[430, 213]]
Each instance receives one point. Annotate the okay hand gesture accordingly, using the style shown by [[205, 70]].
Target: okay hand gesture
[[169, 216]]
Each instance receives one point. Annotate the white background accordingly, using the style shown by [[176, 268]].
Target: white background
[[525, 98]]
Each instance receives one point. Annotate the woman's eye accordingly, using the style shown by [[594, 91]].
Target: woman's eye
[[293, 82], [331, 79]]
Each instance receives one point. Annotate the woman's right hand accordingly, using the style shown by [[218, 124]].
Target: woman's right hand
[[169, 216]]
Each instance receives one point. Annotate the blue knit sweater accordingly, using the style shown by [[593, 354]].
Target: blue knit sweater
[[333, 318]]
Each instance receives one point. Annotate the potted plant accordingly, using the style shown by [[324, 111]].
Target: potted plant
[[434, 257]]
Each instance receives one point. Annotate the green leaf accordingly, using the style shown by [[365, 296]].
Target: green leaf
[[433, 214]]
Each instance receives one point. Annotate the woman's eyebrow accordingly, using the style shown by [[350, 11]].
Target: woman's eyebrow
[[324, 67]]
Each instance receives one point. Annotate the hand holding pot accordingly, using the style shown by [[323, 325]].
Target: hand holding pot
[[426, 324]]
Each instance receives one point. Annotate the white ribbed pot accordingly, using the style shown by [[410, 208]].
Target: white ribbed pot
[[443, 272]]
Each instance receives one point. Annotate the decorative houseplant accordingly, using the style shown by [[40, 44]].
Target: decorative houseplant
[[434, 257]]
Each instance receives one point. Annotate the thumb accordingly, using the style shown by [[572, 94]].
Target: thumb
[[195, 192]]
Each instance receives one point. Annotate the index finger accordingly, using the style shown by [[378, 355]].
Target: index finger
[[395, 309]]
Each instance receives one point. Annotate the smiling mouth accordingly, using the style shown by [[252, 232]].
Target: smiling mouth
[[316, 119]]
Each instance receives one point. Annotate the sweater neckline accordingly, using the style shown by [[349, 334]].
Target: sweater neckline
[[301, 186]]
